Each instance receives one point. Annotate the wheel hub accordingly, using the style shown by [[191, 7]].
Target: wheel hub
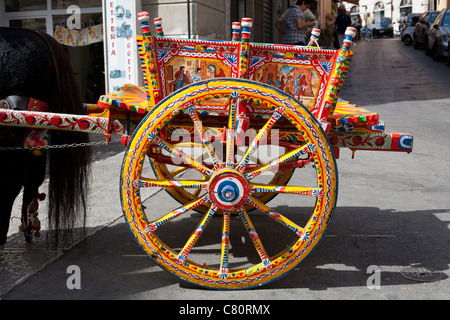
[[228, 189]]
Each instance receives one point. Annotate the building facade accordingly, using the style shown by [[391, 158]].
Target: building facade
[[393, 8], [94, 60]]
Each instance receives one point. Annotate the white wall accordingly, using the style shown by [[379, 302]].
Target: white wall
[[391, 8]]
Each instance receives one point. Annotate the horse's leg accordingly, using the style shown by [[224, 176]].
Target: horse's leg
[[11, 163], [34, 177]]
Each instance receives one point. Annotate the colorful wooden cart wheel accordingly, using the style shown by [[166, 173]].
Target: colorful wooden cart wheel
[[229, 247]]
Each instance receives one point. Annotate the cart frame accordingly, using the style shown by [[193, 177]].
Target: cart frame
[[311, 121]]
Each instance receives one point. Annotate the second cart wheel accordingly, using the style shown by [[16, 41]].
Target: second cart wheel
[[185, 195], [227, 246]]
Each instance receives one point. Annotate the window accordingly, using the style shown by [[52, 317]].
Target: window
[[37, 24], [354, 13], [446, 21], [25, 5], [63, 4], [378, 10], [433, 16], [383, 21], [406, 7], [39, 14]]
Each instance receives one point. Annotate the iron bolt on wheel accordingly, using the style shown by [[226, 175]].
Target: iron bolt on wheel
[[244, 236]]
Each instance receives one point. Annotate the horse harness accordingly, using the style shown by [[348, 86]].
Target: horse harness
[[24, 103], [33, 137]]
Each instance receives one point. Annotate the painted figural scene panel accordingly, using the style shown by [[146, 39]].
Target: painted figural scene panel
[[183, 62], [296, 71], [184, 71], [301, 72], [300, 82]]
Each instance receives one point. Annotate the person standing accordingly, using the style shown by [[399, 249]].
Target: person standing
[[343, 21], [357, 24], [296, 25], [308, 16], [181, 78], [300, 85], [282, 20], [402, 21], [196, 77], [369, 27]]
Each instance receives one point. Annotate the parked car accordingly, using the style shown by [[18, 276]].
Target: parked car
[[383, 27], [407, 32], [448, 53], [407, 36], [438, 35], [420, 32], [410, 20]]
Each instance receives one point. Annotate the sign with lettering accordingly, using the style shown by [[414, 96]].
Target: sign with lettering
[[120, 44]]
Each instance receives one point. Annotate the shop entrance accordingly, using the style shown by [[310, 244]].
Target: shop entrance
[[45, 16]]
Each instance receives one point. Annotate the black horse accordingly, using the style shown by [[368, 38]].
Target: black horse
[[36, 74]]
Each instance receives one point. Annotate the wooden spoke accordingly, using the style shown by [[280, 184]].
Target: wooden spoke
[[234, 102], [206, 140], [182, 256], [229, 162], [313, 192], [178, 171], [180, 154], [197, 191], [225, 245], [231, 130], [150, 183], [273, 165], [262, 135], [176, 213], [255, 239], [275, 215]]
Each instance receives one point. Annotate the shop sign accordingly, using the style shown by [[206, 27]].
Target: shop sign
[[120, 43]]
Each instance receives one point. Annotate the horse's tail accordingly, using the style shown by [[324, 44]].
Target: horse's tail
[[69, 168]]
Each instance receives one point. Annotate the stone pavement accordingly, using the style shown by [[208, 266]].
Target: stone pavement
[[20, 260]]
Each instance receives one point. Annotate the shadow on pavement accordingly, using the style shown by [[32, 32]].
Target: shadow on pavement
[[113, 266]]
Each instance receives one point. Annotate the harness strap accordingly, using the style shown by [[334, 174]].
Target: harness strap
[[24, 103], [37, 105]]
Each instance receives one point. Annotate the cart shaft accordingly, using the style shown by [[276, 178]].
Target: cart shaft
[[67, 122]]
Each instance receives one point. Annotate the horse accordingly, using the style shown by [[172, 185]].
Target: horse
[[36, 74]]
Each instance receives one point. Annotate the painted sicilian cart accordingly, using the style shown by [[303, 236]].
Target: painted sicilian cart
[[243, 137]]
